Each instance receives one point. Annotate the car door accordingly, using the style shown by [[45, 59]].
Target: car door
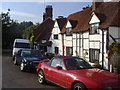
[[55, 75], [19, 57]]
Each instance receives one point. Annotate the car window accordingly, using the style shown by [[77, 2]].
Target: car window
[[31, 53], [62, 65], [55, 62], [76, 64]]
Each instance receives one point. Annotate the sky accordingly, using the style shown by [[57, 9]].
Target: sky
[[33, 11]]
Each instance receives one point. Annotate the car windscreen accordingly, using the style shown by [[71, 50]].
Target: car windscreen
[[31, 53], [22, 45], [76, 64]]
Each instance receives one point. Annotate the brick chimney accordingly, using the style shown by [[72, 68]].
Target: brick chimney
[[96, 3], [48, 12]]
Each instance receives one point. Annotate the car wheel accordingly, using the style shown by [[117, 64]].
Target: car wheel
[[79, 86], [41, 77], [15, 61], [22, 66]]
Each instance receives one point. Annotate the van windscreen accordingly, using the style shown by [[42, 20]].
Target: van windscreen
[[22, 45]]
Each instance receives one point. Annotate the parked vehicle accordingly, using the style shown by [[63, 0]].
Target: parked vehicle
[[28, 59], [76, 73], [20, 44]]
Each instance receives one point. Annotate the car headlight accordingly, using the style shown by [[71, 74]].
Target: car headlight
[[108, 88], [30, 62]]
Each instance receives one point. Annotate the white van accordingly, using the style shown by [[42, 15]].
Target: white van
[[20, 44]]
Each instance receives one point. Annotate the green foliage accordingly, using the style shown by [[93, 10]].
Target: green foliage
[[11, 29], [31, 39], [6, 32], [28, 33], [114, 55], [86, 7], [114, 49]]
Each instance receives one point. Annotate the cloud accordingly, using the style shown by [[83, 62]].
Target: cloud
[[24, 14]]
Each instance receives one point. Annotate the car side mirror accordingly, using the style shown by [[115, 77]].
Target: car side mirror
[[59, 68]]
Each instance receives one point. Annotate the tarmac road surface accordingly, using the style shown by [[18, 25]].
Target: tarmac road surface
[[13, 78]]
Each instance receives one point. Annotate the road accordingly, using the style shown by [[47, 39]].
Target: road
[[12, 77]]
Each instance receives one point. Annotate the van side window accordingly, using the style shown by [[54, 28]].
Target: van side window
[[22, 45]]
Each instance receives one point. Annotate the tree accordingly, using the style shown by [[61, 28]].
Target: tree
[[6, 33], [28, 33], [86, 7], [11, 29], [114, 56]]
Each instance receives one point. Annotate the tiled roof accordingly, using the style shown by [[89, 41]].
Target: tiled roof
[[43, 31], [73, 23], [61, 22], [107, 12], [116, 20], [82, 18]]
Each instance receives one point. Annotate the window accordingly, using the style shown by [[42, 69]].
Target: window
[[94, 29], [55, 36], [76, 64], [56, 50], [94, 55], [69, 51], [68, 33], [22, 45], [57, 62]]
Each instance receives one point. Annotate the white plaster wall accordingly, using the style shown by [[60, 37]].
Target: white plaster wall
[[86, 44], [86, 34], [105, 50], [67, 39], [56, 42], [95, 37], [68, 24], [94, 19]]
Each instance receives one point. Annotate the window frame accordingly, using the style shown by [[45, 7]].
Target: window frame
[[94, 55], [94, 28], [61, 64], [55, 36], [68, 33], [56, 50], [68, 49]]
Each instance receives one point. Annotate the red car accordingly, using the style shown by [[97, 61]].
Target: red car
[[75, 73]]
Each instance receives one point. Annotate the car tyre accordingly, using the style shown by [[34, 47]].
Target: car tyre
[[22, 67], [15, 61], [41, 77], [79, 86]]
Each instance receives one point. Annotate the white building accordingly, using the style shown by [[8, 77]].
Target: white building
[[56, 37], [87, 33], [91, 34]]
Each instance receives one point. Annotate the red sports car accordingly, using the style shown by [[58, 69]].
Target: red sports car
[[75, 73]]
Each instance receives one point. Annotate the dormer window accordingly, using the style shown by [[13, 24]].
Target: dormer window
[[68, 33], [55, 36], [94, 29]]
